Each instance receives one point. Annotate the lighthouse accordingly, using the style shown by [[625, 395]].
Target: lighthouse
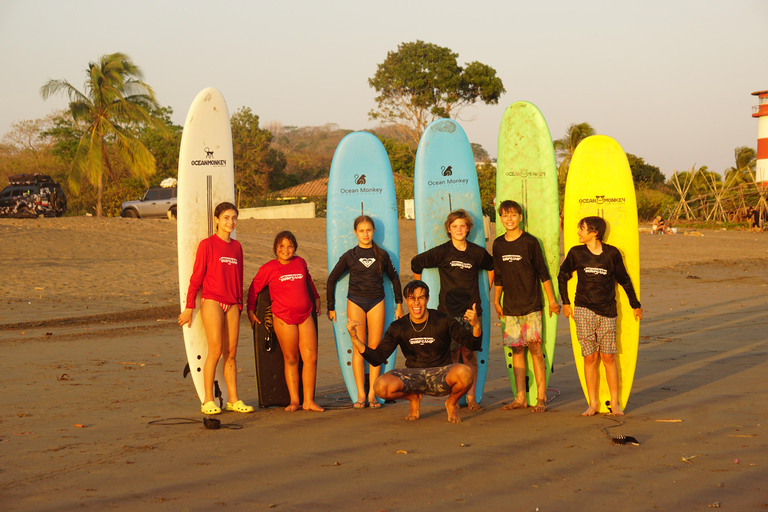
[[761, 113]]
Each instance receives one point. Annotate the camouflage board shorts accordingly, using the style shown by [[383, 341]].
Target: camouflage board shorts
[[425, 381]]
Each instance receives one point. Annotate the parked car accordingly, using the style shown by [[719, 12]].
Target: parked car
[[157, 202], [32, 195]]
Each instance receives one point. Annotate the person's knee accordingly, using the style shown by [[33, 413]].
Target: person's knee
[[462, 375], [591, 358], [386, 385], [608, 358]]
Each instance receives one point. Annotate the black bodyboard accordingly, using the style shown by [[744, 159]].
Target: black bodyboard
[[270, 365]]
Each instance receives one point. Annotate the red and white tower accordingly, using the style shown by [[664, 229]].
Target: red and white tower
[[761, 113]]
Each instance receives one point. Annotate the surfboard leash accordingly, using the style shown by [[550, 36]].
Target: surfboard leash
[[208, 423], [619, 439]]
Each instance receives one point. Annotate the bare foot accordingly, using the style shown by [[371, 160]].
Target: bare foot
[[472, 403], [541, 405], [309, 405], [415, 403], [453, 412], [590, 412], [292, 407], [616, 410], [519, 403]]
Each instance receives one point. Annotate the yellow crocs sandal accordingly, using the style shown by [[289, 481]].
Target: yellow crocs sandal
[[239, 406], [210, 408]]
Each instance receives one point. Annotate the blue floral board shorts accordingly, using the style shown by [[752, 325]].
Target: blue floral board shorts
[[596, 333], [519, 331]]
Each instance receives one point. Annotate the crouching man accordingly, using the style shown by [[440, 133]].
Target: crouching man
[[424, 337]]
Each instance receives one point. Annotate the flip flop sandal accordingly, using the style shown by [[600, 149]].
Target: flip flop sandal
[[374, 404], [239, 406], [210, 408], [359, 405]]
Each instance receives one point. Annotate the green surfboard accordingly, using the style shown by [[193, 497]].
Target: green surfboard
[[526, 172]]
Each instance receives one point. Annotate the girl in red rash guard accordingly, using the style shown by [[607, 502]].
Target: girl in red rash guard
[[287, 277], [219, 271]]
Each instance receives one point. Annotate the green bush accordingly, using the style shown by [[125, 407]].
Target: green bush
[[651, 202]]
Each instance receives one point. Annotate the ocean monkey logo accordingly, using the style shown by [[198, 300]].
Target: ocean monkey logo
[[602, 200], [359, 179], [209, 159], [446, 171]]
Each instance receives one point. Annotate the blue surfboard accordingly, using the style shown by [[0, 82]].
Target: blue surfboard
[[445, 179], [360, 183]]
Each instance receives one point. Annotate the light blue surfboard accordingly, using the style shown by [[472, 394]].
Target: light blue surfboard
[[360, 183], [445, 179]]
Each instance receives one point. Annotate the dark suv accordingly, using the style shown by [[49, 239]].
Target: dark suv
[[32, 195], [157, 202]]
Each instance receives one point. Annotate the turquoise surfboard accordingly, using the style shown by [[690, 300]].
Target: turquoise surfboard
[[445, 179], [360, 183], [526, 172]]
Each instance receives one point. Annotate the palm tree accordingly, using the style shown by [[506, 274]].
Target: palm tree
[[116, 101], [565, 147], [745, 158]]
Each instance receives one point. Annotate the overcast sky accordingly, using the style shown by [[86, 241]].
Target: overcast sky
[[670, 80]]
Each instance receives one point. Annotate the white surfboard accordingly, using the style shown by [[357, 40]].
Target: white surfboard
[[206, 178]]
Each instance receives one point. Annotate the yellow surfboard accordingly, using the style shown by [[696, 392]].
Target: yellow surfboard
[[600, 183]]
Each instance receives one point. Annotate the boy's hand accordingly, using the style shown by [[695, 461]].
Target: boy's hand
[[499, 310], [554, 307], [638, 312], [252, 318], [332, 315], [399, 312], [568, 310], [318, 306]]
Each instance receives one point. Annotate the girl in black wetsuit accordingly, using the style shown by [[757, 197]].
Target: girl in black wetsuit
[[366, 264]]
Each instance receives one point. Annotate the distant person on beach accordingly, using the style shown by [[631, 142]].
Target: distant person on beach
[[659, 226], [366, 263], [753, 216], [424, 337], [519, 266], [288, 278], [219, 271], [598, 267], [459, 263]]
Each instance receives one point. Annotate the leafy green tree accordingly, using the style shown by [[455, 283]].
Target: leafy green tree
[[421, 82], [565, 147], [486, 179], [115, 101], [479, 152], [400, 156], [643, 172], [257, 165]]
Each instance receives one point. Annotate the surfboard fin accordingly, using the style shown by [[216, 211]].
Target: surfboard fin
[[217, 393], [186, 372]]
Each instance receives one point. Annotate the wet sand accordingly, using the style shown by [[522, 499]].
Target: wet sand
[[93, 302]]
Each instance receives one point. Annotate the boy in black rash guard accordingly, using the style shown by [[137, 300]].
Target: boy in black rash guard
[[424, 337], [519, 266], [458, 262], [598, 266]]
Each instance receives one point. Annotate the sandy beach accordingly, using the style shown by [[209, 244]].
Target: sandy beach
[[92, 353]]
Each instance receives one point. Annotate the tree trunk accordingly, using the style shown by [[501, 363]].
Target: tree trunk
[[99, 195]]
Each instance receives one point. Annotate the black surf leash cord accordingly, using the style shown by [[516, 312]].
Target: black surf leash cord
[[209, 423], [619, 439]]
